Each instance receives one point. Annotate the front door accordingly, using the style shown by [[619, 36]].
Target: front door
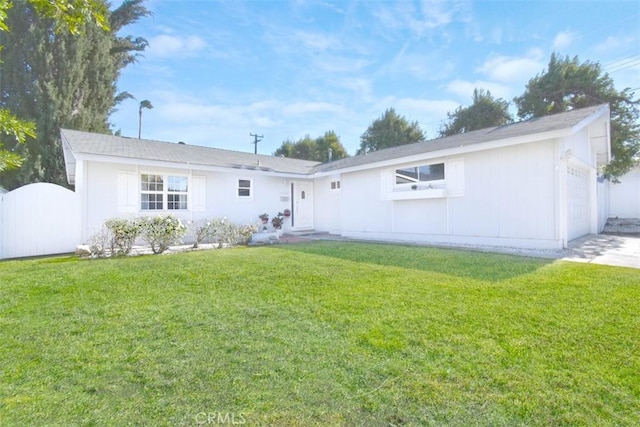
[[301, 205]]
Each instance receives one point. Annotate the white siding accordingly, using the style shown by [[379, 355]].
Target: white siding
[[501, 196], [327, 207], [110, 187]]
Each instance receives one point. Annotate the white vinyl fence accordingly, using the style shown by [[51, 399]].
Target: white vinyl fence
[[625, 196], [39, 219]]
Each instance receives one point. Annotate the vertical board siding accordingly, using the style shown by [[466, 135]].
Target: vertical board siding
[[40, 219]]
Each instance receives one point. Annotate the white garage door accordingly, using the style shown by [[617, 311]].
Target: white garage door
[[578, 202]]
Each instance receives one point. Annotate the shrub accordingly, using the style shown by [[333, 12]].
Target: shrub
[[162, 231], [124, 233], [101, 243], [200, 230], [225, 233]]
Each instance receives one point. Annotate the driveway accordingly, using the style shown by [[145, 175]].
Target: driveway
[[608, 249]]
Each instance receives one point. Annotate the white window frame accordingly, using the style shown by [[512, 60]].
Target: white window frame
[[165, 192], [335, 185], [239, 188]]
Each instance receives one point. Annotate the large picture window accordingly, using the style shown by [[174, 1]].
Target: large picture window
[[419, 174], [156, 190]]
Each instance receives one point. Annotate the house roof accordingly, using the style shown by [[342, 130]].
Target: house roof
[[92, 144], [546, 124]]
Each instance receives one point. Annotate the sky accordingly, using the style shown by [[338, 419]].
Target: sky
[[217, 71]]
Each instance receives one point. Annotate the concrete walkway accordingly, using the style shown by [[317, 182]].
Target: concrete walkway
[[616, 250]]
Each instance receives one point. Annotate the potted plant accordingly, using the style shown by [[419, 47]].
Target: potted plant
[[277, 221], [265, 220]]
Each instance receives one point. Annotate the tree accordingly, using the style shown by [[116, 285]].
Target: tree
[[329, 148], [56, 79], [67, 15], [389, 130], [486, 111], [567, 84], [143, 104], [314, 149]]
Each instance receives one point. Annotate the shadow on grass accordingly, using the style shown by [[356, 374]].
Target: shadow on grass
[[462, 263]]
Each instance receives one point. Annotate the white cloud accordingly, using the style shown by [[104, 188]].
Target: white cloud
[[422, 65], [612, 43], [564, 39], [169, 46], [315, 40], [303, 108], [339, 63], [464, 89], [509, 69], [420, 18]]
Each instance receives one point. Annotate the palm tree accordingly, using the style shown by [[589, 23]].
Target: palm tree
[[143, 104]]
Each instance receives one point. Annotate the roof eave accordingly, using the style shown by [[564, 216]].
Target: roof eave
[[69, 159], [183, 165]]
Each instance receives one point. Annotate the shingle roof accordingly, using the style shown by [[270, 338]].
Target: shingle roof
[[550, 123], [132, 148], [116, 146]]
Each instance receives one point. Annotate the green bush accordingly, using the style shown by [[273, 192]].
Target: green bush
[[162, 231], [225, 233], [200, 231], [123, 234]]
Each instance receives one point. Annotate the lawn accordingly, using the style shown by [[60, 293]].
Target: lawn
[[325, 333]]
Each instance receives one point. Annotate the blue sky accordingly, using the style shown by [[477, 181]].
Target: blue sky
[[216, 71]]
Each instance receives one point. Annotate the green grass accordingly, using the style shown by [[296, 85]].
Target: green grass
[[323, 333]]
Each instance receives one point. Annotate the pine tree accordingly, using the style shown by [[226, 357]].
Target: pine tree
[[57, 79]]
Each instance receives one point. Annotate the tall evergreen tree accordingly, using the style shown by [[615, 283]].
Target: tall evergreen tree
[[56, 79], [389, 130], [567, 84], [68, 15], [486, 111]]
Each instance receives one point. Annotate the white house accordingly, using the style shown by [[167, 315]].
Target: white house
[[533, 184]]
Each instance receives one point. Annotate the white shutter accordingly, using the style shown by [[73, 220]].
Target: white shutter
[[454, 177], [198, 194], [127, 191]]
